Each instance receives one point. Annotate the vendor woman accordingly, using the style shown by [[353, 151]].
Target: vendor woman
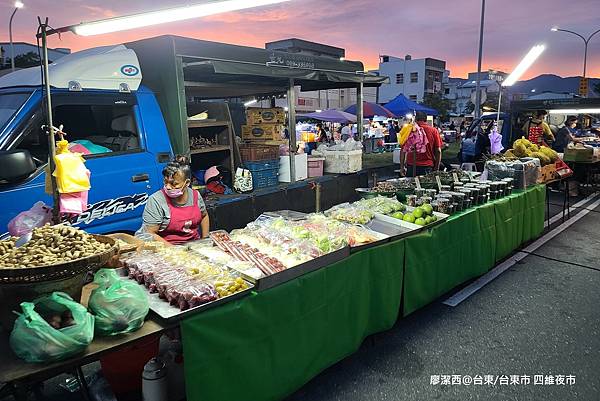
[[177, 212]]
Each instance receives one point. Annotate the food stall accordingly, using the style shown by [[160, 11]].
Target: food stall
[[302, 291]]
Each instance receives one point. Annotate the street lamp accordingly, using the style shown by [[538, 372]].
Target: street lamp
[[120, 24], [519, 70], [18, 4], [585, 41]]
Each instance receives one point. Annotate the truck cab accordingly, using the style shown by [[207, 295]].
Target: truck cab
[[98, 98]]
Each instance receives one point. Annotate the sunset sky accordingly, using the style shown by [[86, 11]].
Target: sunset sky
[[427, 28]]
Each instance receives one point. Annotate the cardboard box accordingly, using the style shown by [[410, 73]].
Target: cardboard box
[[579, 154], [256, 116], [262, 132]]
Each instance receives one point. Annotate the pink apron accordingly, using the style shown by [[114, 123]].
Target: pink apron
[[184, 222]]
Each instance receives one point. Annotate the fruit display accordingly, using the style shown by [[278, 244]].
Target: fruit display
[[182, 277], [50, 245], [420, 216], [524, 148]]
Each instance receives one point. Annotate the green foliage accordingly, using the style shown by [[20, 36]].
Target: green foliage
[[438, 102]]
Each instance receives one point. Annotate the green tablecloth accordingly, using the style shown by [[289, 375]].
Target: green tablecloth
[[468, 245], [267, 345]]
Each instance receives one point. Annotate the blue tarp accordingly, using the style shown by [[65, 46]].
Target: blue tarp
[[401, 106]]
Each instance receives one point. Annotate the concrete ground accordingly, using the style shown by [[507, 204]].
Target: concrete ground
[[541, 317]]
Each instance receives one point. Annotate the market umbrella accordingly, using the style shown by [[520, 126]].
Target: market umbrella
[[401, 106], [371, 110], [331, 115]]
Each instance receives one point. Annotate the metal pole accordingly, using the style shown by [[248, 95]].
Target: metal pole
[[49, 122], [585, 59], [478, 84], [293, 148], [318, 197], [359, 111], [12, 47], [499, 103]]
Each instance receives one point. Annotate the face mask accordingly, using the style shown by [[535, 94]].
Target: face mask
[[173, 193]]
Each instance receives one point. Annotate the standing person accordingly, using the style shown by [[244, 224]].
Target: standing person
[[321, 134], [461, 127], [176, 213], [393, 132], [346, 132], [428, 160], [467, 149], [452, 127], [537, 123], [565, 135]]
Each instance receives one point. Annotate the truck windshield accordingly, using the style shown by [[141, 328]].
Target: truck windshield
[[9, 104]]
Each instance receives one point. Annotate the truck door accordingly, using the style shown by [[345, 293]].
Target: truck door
[[123, 172]]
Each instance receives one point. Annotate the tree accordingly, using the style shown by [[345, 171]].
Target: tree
[[469, 108], [438, 102], [27, 60]]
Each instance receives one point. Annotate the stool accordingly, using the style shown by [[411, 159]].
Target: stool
[[468, 167]]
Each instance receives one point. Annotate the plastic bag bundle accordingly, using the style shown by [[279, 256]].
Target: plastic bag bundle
[[26, 221], [71, 174], [51, 328], [119, 306]]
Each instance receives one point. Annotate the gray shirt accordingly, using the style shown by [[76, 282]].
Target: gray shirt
[[157, 212]]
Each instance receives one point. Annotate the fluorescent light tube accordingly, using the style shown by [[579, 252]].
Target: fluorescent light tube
[[527, 61], [167, 15]]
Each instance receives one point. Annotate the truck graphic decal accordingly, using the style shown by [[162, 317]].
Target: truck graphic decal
[[110, 207]]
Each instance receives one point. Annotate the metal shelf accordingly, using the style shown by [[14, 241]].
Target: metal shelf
[[206, 124], [209, 149]]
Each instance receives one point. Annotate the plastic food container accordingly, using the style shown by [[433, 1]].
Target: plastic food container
[[411, 200], [315, 166], [431, 192]]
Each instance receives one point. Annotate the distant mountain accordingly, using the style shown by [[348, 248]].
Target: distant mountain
[[554, 83]]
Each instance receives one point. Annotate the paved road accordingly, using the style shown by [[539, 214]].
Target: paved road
[[540, 317]]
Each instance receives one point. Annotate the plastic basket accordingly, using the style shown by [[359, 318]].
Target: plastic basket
[[315, 166], [259, 152], [264, 173]]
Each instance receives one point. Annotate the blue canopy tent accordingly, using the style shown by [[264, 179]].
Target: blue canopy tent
[[401, 106]]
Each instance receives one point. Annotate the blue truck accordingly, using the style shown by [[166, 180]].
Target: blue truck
[[98, 97]]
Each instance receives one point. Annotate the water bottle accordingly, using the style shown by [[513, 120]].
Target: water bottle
[[154, 381]]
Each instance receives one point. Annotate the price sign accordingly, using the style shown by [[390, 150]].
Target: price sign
[[418, 182]]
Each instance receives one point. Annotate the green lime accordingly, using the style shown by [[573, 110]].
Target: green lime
[[420, 221], [409, 218], [418, 212]]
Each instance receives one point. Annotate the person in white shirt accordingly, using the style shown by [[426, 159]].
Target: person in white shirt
[[346, 132]]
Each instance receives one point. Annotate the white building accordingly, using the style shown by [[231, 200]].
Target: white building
[[461, 91], [411, 77], [21, 48]]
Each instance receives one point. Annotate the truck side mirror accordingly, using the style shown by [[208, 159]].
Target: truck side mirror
[[16, 165]]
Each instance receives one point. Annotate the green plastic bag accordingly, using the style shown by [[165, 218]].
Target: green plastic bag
[[120, 306], [35, 340]]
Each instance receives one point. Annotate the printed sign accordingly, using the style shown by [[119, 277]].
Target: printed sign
[[130, 70], [110, 207]]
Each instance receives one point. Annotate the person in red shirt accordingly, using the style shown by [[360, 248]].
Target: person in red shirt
[[428, 161]]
